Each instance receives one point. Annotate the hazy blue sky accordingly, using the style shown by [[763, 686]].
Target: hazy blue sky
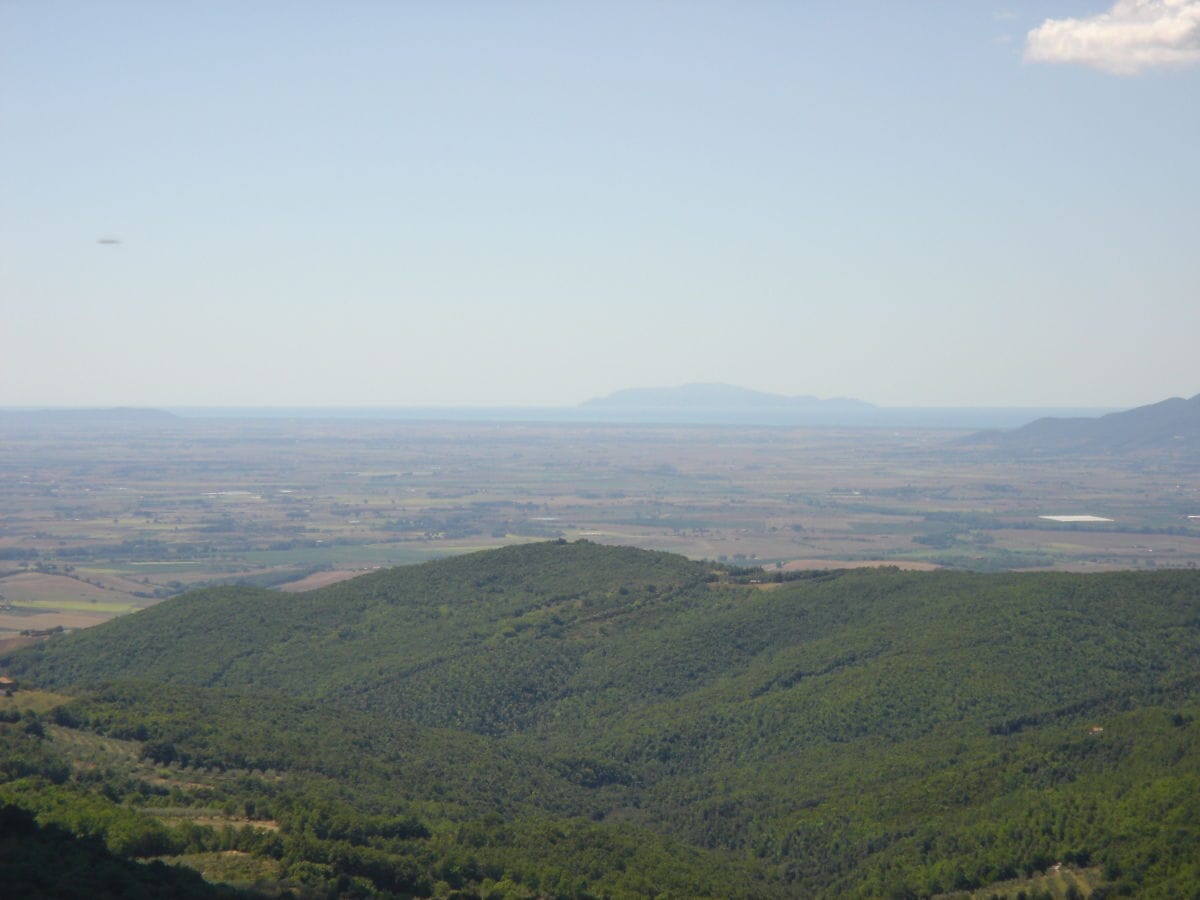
[[458, 203]]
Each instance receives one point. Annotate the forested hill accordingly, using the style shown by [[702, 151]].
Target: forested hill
[[685, 729], [373, 634]]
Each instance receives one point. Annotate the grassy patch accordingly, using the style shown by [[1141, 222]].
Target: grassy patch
[[376, 554], [229, 866], [32, 701], [74, 605]]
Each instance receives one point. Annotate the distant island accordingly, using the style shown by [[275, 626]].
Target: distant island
[[718, 397], [727, 404]]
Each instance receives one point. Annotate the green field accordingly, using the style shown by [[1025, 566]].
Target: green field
[[65, 603]]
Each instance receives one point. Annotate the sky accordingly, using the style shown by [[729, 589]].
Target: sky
[[534, 203]]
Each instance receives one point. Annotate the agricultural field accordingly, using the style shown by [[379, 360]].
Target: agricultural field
[[98, 519]]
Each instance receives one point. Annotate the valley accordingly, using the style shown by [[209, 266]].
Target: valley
[[102, 518]]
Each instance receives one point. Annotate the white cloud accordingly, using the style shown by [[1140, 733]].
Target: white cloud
[[1132, 36]]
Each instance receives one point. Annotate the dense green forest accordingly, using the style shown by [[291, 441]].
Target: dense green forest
[[574, 720]]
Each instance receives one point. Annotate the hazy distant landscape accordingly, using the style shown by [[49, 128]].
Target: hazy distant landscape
[[599, 451], [872, 662], [107, 512]]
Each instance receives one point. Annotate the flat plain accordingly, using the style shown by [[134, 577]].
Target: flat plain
[[98, 519]]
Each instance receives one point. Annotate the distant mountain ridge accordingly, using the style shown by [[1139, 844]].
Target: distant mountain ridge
[[1172, 426], [716, 396]]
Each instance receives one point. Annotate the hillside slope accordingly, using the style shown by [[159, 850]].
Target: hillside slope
[[1171, 426], [846, 733]]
